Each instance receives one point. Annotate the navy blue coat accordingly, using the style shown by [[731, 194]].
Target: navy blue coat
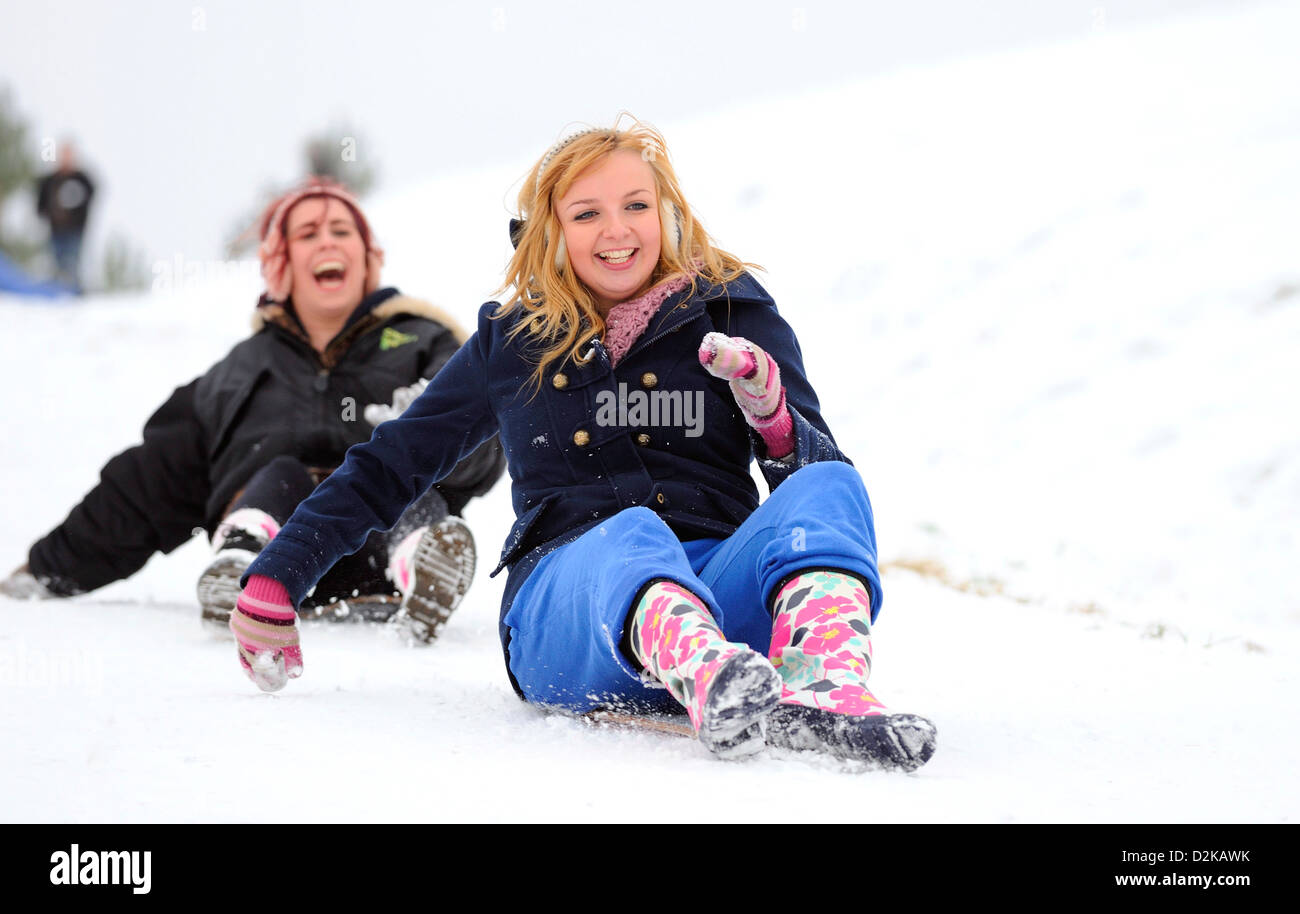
[[571, 460]]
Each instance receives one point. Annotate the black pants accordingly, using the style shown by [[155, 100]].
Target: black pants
[[277, 489]]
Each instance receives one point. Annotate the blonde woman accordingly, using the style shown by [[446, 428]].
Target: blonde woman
[[633, 374]]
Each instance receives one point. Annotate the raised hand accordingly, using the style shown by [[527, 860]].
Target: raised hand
[[755, 382]]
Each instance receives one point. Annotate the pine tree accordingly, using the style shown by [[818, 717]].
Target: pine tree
[[336, 153], [339, 154], [17, 173], [125, 267]]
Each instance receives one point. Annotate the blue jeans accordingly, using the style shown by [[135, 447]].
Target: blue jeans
[[566, 624], [66, 247]]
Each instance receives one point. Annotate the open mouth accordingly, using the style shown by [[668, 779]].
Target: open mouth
[[329, 274], [618, 257]]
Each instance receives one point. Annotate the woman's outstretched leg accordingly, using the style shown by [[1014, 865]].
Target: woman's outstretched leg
[[821, 646], [415, 574], [726, 688], [252, 520], [798, 580]]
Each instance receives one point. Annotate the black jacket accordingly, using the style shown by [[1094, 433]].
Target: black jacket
[[63, 198], [272, 395]]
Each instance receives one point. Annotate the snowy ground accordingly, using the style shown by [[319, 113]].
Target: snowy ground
[[1050, 300]]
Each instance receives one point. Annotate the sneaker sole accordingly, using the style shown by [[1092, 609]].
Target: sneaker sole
[[442, 570], [371, 608], [899, 741], [218, 589]]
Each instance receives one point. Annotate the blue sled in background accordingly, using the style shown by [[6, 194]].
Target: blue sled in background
[[13, 279]]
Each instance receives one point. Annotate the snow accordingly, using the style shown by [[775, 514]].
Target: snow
[[1050, 301]]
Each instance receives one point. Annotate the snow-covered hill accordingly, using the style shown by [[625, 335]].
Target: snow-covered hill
[[1050, 300]]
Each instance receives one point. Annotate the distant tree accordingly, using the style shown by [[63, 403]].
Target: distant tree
[[337, 153], [242, 239], [340, 154], [126, 268], [17, 173]]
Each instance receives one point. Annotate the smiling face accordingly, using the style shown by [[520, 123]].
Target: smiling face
[[327, 257], [610, 218]]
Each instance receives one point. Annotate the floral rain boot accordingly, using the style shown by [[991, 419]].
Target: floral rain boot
[[821, 646], [727, 688]]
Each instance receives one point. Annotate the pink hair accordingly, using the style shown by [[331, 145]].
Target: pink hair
[[274, 249]]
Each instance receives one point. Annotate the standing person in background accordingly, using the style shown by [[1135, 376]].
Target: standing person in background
[[63, 200], [235, 450]]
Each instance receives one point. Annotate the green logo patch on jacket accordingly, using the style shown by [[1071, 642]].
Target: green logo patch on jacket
[[391, 339]]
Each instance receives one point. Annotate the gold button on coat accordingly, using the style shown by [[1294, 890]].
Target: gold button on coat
[[660, 498], [649, 380], [643, 439], [581, 438], [560, 380]]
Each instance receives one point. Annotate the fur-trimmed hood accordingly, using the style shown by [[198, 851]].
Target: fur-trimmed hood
[[270, 312], [418, 307]]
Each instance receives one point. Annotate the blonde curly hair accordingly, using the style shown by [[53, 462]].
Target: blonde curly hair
[[557, 313]]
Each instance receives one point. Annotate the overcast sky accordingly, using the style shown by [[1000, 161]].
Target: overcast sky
[[185, 111]]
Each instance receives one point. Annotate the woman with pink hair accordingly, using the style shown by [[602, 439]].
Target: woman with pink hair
[[235, 450]]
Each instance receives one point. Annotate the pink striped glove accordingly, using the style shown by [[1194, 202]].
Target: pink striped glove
[[756, 385], [266, 630]]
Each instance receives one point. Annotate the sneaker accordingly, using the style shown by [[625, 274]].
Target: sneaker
[[237, 541], [218, 587], [23, 585], [441, 570]]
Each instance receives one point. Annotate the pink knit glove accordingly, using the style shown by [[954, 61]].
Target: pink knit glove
[[266, 629], [756, 385]]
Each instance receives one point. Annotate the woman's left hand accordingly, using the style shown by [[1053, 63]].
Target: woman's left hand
[[755, 383], [755, 379]]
